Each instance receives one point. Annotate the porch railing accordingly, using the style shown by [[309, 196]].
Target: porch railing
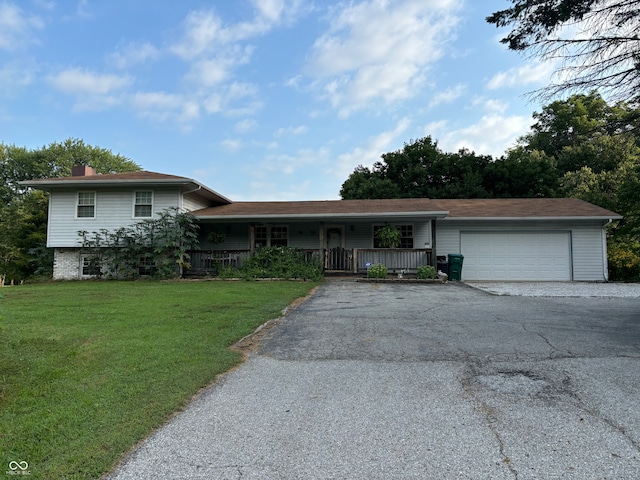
[[394, 259], [210, 262]]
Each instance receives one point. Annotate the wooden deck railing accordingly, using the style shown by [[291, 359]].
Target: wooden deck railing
[[394, 259], [210, 262]]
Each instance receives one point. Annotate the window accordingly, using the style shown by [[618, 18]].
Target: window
[[90, 265], [261, 236], [274, 236], [145, 266], [406, 236], [86, 205], [279, 236], [143, 205]]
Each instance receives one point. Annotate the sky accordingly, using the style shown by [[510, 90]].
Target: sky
[[262, 99]]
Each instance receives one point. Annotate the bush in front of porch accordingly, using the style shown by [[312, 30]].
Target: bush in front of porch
[[278, 262]]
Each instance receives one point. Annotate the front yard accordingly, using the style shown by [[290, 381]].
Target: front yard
[[88, 369]]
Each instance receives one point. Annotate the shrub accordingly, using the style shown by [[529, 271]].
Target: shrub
[[282, 262], [377, 270], [426, 272], [624, 262]]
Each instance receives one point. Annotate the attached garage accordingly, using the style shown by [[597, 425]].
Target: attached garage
[[526, 239], [516, 255]]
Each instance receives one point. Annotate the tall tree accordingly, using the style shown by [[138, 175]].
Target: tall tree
[[522, 173], [597, 41], [420, 169]]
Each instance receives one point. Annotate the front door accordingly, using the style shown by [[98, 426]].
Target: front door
[[336, 256]]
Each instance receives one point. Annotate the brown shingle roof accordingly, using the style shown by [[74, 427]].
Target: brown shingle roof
[[452, 208], [141, 178], [523, 208], [112, 177]]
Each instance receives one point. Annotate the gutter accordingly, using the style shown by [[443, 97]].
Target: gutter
[[493, 219]]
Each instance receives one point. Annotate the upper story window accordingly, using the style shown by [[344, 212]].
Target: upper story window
[[406, 236], [270, 235], [86, 207], [143, 205]]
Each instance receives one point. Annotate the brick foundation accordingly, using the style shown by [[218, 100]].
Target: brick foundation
[[66, 264]]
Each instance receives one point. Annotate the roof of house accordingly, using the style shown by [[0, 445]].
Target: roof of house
[[142, 178], [506, 208], [450, 209], [494, 208]]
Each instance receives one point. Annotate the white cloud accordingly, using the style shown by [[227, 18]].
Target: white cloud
[[161, 106], [204, 32], [492, 135], [14, 75], [299, 130], [79, 81], [448, 95], [370, 153], [92, 91], [231, 145], [534, 73], [289, 164], [133, 54], [381, 50], [215, 70], [246, 125], [276, 11], [17, 28]]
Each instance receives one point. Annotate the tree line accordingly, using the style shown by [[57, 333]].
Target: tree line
[[581, 147]]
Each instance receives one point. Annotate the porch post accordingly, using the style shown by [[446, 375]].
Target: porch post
[[321, 235], [434, 259], [252, 237]]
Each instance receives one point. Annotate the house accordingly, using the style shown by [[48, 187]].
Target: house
[[560, 239]]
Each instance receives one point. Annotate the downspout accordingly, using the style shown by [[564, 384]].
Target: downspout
[[605, 262]]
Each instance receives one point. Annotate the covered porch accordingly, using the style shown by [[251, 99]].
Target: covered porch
[[342, 235], [335, 260]]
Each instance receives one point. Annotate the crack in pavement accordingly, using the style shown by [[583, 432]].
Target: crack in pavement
[[488, 412]]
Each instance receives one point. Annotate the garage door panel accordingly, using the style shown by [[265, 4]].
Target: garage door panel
[[516, 256]]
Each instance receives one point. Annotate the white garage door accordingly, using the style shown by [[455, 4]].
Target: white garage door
[[516, 256]]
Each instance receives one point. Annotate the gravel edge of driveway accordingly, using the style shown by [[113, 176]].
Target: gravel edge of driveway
[[559, 289]]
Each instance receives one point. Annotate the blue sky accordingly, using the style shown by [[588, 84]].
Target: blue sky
[[261, 99]]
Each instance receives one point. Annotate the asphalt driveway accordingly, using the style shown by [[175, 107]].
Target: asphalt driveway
[[420, 381]]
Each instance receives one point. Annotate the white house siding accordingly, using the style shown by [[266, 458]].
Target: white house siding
[[586, 249], [114, 209], [192, 202], [588, 252]]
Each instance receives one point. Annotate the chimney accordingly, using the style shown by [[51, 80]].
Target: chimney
[[82, 171]]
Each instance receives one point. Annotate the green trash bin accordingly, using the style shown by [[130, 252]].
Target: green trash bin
[[455, 266]]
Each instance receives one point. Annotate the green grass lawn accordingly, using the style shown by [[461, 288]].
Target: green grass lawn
[[88, 369]]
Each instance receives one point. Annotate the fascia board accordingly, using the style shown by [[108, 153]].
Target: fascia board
[[315, 216], [49, 185], [493, 219]]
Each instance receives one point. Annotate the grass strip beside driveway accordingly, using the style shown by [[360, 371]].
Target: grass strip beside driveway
[[88, 369]]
